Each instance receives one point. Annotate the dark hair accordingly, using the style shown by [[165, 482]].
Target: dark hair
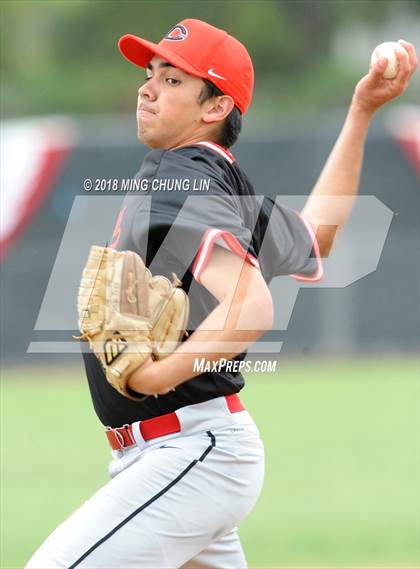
[[233, 122]]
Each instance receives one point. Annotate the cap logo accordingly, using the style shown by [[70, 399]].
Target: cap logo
[[212, 73], [177, 33]]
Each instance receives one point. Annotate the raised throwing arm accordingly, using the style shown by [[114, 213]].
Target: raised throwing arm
[[341, 173]]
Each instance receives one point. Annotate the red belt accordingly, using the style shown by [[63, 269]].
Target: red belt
[[122, 437]]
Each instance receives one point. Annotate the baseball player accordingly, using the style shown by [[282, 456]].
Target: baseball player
[[188, 460]]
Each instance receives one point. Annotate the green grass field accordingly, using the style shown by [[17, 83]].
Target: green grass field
[[342, 462]]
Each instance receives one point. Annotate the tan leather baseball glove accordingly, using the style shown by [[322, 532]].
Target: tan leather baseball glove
[[127, 314]]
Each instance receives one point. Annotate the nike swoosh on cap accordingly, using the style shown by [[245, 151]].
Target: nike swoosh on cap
[[213, 74]]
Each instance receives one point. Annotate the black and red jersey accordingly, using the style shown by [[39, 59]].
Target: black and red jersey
[[185, 202]]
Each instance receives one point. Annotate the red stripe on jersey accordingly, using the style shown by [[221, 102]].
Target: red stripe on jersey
[[219, 149], [320, 269], [206, 247], [117, 229]]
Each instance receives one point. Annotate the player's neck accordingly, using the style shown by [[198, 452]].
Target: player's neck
[[201, 135], [195, 140]]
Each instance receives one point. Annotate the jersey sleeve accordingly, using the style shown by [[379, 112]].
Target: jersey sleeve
[[289, 245], [190, 211]]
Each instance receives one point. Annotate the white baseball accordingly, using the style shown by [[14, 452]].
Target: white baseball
[[388, 49]]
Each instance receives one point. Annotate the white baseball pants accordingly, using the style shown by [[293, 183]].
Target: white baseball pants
[[173, 502]]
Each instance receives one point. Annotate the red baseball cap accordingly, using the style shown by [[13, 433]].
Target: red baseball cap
[[201, 50]]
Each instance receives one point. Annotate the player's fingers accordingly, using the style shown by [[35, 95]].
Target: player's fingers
[[411, 51], [376, 71], [404, 67]]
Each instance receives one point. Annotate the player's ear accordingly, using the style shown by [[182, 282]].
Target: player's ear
[[219, 108]]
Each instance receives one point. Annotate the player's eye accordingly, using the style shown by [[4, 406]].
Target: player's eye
[[173, 81], [146, 79]]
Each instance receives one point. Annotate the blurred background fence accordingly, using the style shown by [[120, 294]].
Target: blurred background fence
[[375, 314]]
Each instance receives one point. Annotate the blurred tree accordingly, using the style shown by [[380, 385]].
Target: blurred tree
[[61, 55]]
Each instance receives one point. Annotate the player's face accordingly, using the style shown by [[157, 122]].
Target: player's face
[[168, 111]]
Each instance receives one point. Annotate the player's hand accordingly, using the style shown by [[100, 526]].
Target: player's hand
[[148, 379], [373, 90]]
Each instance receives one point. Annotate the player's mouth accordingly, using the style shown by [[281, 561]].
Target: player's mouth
[[145, 110]]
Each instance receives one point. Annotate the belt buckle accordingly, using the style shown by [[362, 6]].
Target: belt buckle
[[126, 426], [119, 437]]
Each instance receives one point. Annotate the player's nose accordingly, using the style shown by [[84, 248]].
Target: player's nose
[[147, 90]]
